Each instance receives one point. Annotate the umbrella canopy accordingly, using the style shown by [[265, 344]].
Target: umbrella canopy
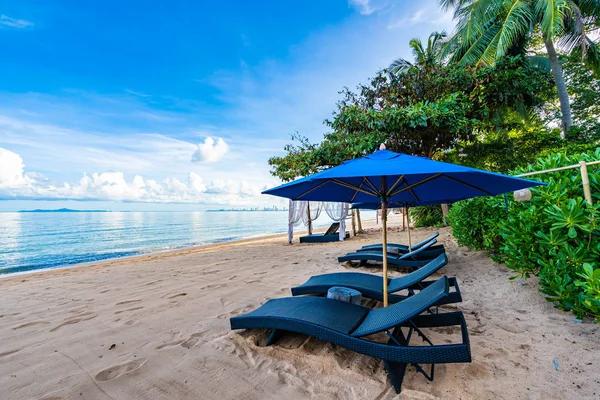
[[399, 178], [386, 176]]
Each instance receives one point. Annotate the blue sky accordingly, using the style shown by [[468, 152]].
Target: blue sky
[[143, 105]]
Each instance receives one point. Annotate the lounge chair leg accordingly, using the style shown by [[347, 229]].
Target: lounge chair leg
[[396, 373], [275, 335], [427, 376], [396, 370]]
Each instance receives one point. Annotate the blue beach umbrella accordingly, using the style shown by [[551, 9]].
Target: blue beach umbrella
[[389, 177]]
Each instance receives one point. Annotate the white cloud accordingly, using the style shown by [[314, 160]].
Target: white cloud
[[210, 151], [363, 6], [114, 186], [14, 23], [11, 169], [425, 16]]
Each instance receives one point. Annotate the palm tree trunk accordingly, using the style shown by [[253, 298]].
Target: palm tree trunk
[[559, 80]]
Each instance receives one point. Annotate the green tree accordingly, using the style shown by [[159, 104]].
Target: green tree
[[489, 29], [426, 58], [419, 112]]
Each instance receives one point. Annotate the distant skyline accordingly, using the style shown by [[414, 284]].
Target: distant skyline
[[152, 105]]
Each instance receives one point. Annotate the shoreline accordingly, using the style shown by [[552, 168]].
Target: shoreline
[[185, 250]]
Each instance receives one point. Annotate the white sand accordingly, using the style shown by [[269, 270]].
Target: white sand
[[157, 327]]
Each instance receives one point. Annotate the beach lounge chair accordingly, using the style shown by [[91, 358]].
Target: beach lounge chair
[[371, 286], [431, 252], [412, 260], [331, 235], [401, 247], [348, 325]]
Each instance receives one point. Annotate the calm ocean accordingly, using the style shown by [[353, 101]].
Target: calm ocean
[[31, 241]]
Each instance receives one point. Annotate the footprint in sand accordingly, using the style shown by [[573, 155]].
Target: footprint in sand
[[129, 309], [8, 353], [193, 340], [117, 370], [74, 321], [27, 325], [127, 302]]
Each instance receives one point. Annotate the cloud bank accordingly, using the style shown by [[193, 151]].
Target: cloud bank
[[16, 184]]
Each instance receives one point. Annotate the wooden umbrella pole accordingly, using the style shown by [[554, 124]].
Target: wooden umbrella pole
[[308, 217], [385, 263], [408, 228]]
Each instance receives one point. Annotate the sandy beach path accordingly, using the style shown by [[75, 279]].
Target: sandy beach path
[[157, 327]]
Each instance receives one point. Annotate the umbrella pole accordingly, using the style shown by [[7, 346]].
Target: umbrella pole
[[385, 263], [408, 229]]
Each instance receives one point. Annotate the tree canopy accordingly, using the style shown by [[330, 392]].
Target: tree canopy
[[489, 29], [420, 111]]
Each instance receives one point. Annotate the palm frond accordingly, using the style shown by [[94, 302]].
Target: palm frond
[[488, 57], [515, 26], [470, 52], [552, 14], [417, 49], [400, 65]]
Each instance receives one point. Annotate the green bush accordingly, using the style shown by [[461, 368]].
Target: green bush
[[475, 222], [426, 216], [554, 236]]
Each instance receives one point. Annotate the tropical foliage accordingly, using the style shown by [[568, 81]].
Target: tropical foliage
[[426, 216], [420, 112], [426, 58], [555, 236], [490, 29]]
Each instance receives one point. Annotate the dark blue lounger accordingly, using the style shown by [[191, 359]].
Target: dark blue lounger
[[401, 247], [331, 235], [412, 260], [371, 286], [348, 325]]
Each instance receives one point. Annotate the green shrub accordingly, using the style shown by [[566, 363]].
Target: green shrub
[[554, 236], [426, 216], [475, 222]]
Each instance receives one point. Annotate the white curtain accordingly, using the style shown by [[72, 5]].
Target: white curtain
[[296, 213], [314, 209], [338, 212]]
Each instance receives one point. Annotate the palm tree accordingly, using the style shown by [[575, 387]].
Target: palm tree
[[425, 58], [489, 29]]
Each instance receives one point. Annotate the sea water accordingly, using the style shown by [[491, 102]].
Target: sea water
[[38, 240]]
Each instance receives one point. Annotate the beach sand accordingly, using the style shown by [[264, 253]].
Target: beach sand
[[157, 327]]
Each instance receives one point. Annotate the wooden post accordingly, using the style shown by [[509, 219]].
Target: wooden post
[[585, 182], [309, 220], [445, 214], [353, 223], [403, 216], [408, 228], [360, 229]]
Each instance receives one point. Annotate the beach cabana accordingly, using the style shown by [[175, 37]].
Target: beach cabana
[[386, 176]]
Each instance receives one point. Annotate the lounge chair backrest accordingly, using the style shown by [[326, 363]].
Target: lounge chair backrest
[[417, 251], [385, 318], [333, 228], [419, 275], [430, 238]]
